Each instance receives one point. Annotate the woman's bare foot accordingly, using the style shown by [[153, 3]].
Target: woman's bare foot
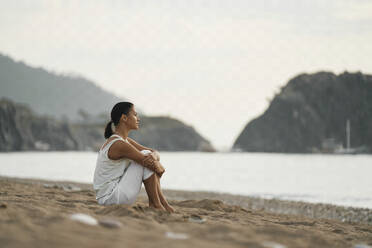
[[165, 204], [164, 201], [151, 205], [151, 186], [169, 208], [155, 195]]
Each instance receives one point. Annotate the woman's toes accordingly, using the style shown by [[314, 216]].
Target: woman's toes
[[160, 207], [170, 209]]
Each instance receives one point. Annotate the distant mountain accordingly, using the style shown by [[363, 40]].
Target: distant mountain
[[310, 115], [52, 94]]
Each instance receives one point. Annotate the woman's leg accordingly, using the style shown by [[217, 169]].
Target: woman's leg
[[154, 192], [151, 186], [163, 201], [129, 185]]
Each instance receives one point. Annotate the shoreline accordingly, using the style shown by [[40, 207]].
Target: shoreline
[[45, 213], [277, 206]]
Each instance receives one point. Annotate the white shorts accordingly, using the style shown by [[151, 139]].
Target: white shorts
[[129, 186]]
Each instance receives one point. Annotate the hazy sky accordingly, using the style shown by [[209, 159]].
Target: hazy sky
[[212, 64]]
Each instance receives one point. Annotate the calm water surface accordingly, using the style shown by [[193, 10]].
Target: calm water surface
[[338, 179]]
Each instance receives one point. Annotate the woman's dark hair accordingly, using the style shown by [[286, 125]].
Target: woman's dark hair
[[116, 112]]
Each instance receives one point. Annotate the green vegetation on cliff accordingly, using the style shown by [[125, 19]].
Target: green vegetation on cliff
[[310, 110]]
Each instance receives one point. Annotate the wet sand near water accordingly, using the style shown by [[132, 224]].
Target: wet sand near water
[[40, 213]]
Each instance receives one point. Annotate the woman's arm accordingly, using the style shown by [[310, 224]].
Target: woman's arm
[[119, 150], [139, 147]]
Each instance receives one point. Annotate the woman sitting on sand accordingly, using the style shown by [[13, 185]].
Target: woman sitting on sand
[[123, 164]]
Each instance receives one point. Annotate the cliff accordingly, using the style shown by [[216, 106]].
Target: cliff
[[311, 110], [23, 130]]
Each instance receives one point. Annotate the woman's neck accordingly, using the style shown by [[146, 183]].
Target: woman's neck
[[122, 131]]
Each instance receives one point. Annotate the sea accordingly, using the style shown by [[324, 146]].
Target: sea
[[344, 180]]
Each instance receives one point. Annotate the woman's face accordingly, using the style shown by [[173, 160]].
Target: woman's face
[[132, 120]]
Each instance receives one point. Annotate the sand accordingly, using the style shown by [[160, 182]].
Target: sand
[[37, 213]]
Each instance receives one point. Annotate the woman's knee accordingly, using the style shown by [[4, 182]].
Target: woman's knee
[[135, 164]]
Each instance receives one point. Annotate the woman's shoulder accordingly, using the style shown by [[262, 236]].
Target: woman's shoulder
[[117, 148], [110, 139], [106, 142]]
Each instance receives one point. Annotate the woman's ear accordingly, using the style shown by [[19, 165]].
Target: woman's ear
[[124, 117]]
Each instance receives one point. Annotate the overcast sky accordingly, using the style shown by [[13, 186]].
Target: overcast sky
[[212, 64]]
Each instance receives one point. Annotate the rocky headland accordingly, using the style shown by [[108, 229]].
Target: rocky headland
[[43, 110], [310, 114], [21, 129]]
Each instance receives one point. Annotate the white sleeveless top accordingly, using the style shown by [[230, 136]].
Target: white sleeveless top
[[108, 172]]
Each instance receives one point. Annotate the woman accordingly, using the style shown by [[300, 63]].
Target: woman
[[123, 164]]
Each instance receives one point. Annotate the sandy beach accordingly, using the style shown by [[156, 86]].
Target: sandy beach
[[39, 213]]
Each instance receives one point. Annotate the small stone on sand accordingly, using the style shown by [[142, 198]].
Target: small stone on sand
[[196, 219], [362, 246], [70, 188], [3, 205], [269, 244], [46, 185], [84, 218], [110, 223], [172, 235]]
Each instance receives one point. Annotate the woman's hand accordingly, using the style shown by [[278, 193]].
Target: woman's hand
[[155, 155], [153, 164], [149, 162]]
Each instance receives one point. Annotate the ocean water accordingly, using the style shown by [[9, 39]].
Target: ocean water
[[337, 179]]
